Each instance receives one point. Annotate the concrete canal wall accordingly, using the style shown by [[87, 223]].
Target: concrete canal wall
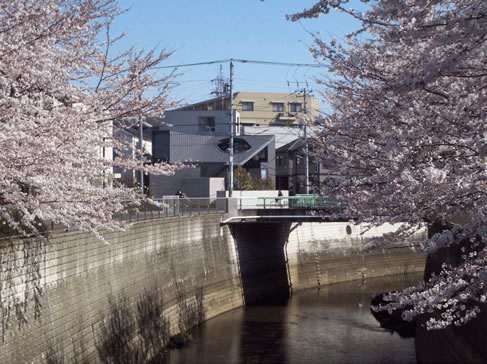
[[328, 253], [58, 298]]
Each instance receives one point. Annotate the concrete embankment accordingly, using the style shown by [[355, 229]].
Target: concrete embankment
[[58, 298]]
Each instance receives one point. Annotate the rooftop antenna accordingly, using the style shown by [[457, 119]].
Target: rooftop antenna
[[221, 84]]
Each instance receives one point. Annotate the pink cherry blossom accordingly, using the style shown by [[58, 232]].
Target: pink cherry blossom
[[62, 87], [408, 133]]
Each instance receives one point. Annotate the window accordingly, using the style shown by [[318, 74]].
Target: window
[[206, 123], [277, 107], [295, 107], [247, 106], [281, 160], [262, 156], [239, 145], [237, 123]]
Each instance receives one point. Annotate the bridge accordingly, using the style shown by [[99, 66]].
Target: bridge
[[299, 208]]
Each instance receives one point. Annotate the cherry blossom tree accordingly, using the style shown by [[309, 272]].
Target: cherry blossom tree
[[408, 134], [62, 86]]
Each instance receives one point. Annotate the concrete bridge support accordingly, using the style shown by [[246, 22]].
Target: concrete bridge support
[[263, 263]]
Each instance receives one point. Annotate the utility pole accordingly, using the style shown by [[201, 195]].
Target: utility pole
[[306, 157], [230, 174], [306, 92]]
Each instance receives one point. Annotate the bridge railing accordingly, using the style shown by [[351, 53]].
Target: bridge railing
[[282, 202]]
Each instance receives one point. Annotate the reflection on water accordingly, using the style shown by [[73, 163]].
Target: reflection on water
[[330, 325]]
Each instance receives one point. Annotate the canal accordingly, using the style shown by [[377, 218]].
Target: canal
[[329, 325]]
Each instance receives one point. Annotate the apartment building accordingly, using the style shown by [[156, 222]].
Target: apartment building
[[256, 114], [251, 109]]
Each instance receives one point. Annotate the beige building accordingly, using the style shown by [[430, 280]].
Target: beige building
[[252, 108]]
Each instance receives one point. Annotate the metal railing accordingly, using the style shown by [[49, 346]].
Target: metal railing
[[173, 206], [282, 202], [170, 206]]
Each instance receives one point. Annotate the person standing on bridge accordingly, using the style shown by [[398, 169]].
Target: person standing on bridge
[[279, 198], [180, 194]]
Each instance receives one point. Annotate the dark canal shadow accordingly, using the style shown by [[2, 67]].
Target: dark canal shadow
[[259, 322], [263, 269]]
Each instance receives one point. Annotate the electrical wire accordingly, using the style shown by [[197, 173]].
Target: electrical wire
[[237, 60], [192, 89]]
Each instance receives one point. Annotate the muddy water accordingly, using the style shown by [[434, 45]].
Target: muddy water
[[330, 325]]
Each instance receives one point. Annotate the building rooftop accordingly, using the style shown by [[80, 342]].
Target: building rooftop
[[207, 148], [283, 134]]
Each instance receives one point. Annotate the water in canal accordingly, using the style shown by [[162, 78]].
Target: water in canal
[[330, 325]]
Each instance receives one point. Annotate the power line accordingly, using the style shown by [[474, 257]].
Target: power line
[[269, 63], [192, 64]]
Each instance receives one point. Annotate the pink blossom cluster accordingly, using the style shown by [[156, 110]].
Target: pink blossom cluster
[[407, 133], [62, 86]]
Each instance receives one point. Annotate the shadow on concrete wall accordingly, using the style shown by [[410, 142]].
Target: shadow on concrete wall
[[261, 252]]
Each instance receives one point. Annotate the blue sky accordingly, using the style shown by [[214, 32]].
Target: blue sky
[[205, 30]]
